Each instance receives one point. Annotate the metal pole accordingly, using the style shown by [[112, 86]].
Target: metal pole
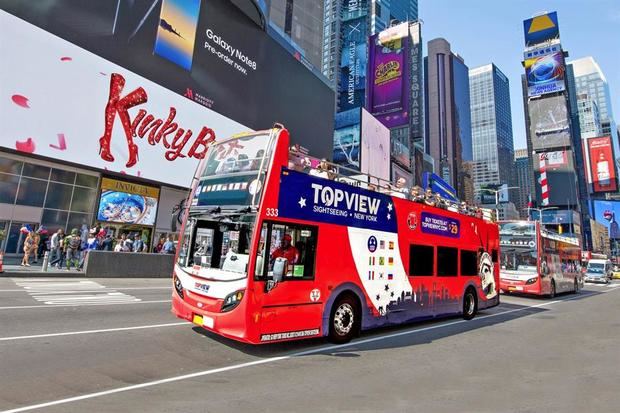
[[46, 259]]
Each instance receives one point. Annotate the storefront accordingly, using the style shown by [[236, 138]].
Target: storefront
[[39, 193], [127, 208]]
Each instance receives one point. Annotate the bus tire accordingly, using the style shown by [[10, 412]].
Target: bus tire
[[470, 304], [552, 289], [344, 320]]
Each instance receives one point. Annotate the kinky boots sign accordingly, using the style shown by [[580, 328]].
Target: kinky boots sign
[[160, 132]]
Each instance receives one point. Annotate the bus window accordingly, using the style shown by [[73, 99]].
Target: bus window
[[295, 243], [494, 256], [469, 263], [421, 260], [447, 261]]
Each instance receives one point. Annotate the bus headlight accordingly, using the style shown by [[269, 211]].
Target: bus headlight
[[178, 286], [232, 300], [531, 281]]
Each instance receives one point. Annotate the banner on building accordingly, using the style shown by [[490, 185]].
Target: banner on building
[[556, 178], [545, 74], [375, 142], [64, 104], [549, 123], [353, 56], [601, 172], [539, 29]]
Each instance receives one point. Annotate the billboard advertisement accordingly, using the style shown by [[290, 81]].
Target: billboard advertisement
[[354, 56], [601, 166], [549, 123], [226, 63], [416, 110], [127, 203], [389, 75], [545, 74], [539, 29], [68, 104], [608, 214], [555, 177], [347, 137], [375, 147]]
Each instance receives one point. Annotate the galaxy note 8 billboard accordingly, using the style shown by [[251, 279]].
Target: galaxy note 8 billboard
[[207, 51]]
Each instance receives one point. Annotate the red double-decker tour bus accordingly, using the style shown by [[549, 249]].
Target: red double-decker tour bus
[[275, 247], [536, 261]]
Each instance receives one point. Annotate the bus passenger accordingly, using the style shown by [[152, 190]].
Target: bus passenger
[[415, 194], [286, 250], [429, 198], [322, 170], [399, 189]]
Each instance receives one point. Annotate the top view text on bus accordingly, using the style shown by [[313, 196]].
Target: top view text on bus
[[277, 246]]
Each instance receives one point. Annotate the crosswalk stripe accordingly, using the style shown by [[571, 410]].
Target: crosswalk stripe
[[72, 292]]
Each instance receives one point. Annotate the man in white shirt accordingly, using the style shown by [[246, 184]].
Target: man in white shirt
[[56, 247]]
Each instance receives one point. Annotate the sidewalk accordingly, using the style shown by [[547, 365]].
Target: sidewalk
[[12, 268]]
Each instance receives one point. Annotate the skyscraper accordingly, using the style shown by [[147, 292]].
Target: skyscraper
[[448, 119], [367, 17], [589, 116], [524, 181], [300, 22], [590, 79], [491, 124], [552, 126]]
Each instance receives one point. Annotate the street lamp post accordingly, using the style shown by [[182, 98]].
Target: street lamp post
[[496, 192], [540, 210]]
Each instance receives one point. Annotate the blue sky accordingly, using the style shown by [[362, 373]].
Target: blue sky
[[485, 31]]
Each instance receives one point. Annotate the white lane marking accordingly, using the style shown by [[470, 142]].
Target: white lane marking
[[73, 291], [104, 330], [47, 306], [14, 290], [275, 359]]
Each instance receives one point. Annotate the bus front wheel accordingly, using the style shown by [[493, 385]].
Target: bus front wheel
[[470, 304], [344, 320]]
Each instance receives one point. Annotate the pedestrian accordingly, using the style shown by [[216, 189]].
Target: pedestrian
[[35, 247], [128, 243], [159, 246], [121, 244], [28, 246], [56, 247], [168, 247], [107, 243], [73, 245], [138, 244], [92, 243]]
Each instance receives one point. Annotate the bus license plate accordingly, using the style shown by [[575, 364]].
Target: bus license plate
[[517, 288], [203, 321]]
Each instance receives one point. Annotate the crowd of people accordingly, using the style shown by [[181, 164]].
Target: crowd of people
[[70, 250]]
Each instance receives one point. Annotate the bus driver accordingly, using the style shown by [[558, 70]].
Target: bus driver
[[286, 250]]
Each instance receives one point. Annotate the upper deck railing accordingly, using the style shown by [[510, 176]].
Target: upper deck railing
[[300, 161]]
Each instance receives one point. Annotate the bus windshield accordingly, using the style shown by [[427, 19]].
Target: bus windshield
[[519, 249], [232, 175], [596, 268], [219, 245], [240, 155]]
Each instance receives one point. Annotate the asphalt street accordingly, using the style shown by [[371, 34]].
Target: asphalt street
[[76, 345]]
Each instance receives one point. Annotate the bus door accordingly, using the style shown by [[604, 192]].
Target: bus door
[[285, 286]]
